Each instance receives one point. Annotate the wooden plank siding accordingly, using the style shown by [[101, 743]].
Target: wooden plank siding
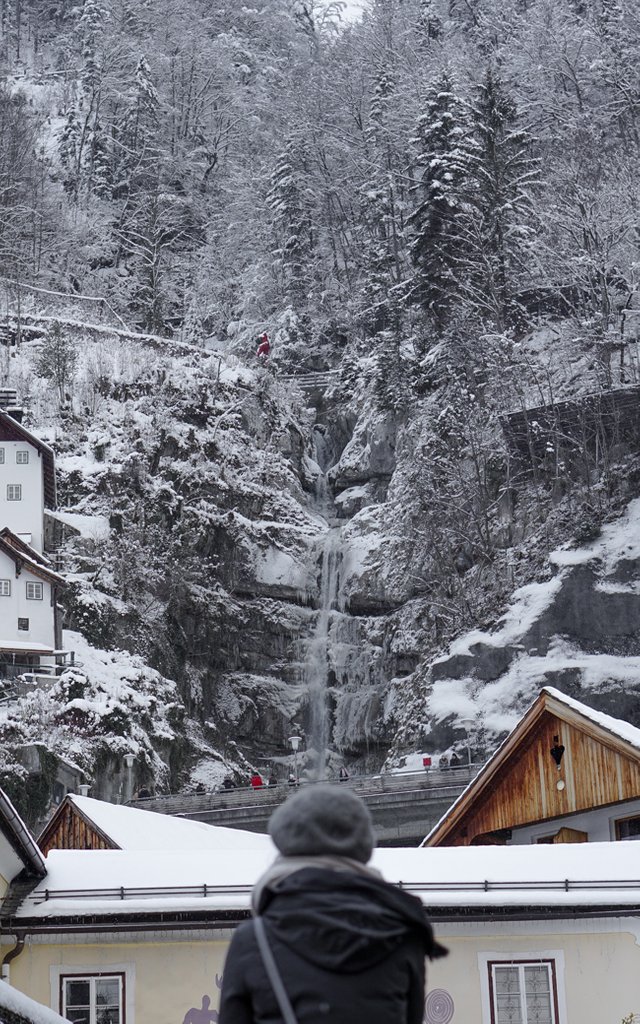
[[526, 791], [68, 829]]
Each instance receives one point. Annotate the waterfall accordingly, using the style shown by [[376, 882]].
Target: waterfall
[[317, 655]]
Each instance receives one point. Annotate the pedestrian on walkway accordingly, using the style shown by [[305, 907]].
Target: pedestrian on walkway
[[340, 945]]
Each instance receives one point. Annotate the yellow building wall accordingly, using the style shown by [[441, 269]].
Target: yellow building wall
[[4, 885], [599, 984], [169, 977], [601, 978]]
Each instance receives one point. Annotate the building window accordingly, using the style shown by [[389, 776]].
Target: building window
[[628, 828], [14, 492], [22, 458], [23, 625], [92, 999], [523, 992], [1, 456], [5, 588], [34, 591]]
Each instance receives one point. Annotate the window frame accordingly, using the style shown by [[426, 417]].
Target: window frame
[[14, 487], [83, 970], [23, 629], [521, 964], [3, 592], [34, 585], [92, 977], [501, 958], [617, 822], [2, 456], [20, 461]]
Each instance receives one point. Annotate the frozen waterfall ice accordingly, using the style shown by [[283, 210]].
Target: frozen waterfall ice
[[317, 668]]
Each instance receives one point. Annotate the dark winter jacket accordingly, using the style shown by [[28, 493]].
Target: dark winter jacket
[[350, 949]]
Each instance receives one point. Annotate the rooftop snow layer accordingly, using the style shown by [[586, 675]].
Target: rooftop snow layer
[[15, 1001], [584, 875], [626, 731], [89, 527], [132, 828]]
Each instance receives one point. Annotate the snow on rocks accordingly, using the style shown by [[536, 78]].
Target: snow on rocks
[[548, 635]]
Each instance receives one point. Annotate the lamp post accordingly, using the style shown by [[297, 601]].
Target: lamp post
[[128, 760], [468, 724], [295, 743]]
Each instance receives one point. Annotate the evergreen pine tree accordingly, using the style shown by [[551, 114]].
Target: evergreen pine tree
[[381, 212], [506, 174], [443, 158], [92, 23], [69, 147], [97, 162], [290, 203]]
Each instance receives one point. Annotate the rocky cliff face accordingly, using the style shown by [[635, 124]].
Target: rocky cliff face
[[579, 631], [283, 560]]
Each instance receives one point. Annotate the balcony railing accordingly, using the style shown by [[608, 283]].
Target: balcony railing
[[444, 781]]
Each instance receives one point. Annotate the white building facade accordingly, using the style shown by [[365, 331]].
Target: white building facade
[[27, 602], [29, 616], [22, 491]]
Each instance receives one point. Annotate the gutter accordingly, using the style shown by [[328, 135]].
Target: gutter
[[11, 955]]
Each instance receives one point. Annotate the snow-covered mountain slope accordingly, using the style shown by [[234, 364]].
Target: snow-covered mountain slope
[[270, 561], [579, 630]]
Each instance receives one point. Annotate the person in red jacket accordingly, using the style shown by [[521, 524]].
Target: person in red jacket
[[256, 781], [264, 348]]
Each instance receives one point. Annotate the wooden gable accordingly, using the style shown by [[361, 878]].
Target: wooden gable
[[70, 829], [522, 785]]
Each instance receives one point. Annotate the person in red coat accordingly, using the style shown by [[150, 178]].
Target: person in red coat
[[264, 347], [256, 781]]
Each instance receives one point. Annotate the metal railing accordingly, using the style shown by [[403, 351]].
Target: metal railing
[[443, 780], [206, 891]]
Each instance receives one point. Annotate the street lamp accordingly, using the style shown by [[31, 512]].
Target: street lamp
[[128, 760], [468, 724], [295, 743]]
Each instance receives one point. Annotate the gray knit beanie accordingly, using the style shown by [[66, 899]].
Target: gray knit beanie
[[323, 820]]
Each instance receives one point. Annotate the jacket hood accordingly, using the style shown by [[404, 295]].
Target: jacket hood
[[344, 922]]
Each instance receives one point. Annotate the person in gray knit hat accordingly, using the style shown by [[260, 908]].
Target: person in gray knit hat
[[349, 948]]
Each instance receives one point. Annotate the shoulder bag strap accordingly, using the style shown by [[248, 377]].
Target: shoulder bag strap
[[273, 973]]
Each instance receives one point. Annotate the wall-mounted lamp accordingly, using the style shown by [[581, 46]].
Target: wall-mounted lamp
[[468, 724], [557, 751]]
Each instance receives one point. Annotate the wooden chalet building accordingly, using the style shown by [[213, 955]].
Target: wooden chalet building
[[566, 774]]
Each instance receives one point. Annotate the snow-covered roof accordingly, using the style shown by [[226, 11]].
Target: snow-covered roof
[[17, 540], [89, 527], [19, 646], [15, 837], [114, 882], [15, 1001], [617, 728], [22, 554], [132, 828]]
